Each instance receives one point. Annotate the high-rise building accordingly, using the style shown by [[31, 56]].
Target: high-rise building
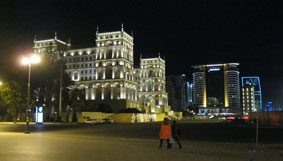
[[179, 92], [251, 95], [106, 72], [189, 92], [217, 88]]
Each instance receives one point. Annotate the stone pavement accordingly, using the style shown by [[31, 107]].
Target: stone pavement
[[54, 147]]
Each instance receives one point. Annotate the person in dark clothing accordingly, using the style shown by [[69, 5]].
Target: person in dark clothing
[[175, 133]]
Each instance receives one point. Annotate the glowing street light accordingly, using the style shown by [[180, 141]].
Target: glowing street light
[[0, 83], [34, 59]]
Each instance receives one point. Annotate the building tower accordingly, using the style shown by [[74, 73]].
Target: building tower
[[251, 94], [217, 88], [199, 86], [151, 84], [178, 92], [105, 72], [53, 48]]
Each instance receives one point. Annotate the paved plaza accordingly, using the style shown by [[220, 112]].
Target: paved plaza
[[94, 143]]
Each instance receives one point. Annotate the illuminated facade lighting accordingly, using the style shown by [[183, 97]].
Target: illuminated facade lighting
[[217, 87], [251, 94], [106, 72]]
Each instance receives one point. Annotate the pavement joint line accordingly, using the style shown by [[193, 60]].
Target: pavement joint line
[[139, 139]]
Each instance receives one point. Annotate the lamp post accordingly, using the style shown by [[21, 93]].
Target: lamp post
[[28, 61], [257, 124], [60, 97]]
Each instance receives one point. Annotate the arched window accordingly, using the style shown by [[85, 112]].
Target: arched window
[[150, 73], [76, 76]]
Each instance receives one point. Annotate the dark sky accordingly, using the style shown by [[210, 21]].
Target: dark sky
[[186, 32]]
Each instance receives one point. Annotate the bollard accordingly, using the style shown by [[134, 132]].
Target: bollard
[[251, 150]]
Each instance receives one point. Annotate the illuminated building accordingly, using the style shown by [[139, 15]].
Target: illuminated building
[[106, 71], [189, 93], [179, 92], [251, 94], [217, 88], [53, 48], [150, 77]]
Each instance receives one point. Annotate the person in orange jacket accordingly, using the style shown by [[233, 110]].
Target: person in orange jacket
[[165, 133]]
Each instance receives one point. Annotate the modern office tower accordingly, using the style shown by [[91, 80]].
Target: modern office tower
[[189, 92], [150, 77], [179, 92], [106, 72], [217, 88], [251, 95]]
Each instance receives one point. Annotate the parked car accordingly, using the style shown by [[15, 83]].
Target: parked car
[[90, 121], [108, 120]]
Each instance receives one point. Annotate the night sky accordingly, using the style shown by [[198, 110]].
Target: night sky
[[185, 32]]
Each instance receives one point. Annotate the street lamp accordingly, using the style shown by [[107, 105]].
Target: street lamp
[[34, 59], [257, 104], [0, 83]]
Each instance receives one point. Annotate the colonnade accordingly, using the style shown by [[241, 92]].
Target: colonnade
[[109, 91], [113, 72], [113, 53], [159, 99]]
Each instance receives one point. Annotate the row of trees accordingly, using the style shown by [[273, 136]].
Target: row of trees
[[45, 90], [45, 87], [12, 102]]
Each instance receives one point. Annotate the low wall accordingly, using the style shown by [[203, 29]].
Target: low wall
[[124, 117], [96, 115], [271, 117], [121, 117]]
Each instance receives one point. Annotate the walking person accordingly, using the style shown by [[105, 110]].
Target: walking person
[[165, 133], [175, 133]]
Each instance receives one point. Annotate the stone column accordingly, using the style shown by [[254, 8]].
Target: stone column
[[133, 94], [121, 92], [96, 55], [100, 54], [103, 73], [141, 85], [86, 93], [113, 73], [121, 73], [122, 52], [113, 52], [117, 52], [96, 74], [92, 93], [102, 92], [146, 86], [112, 92]]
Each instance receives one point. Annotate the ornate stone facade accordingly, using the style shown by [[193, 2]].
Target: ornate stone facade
[[107, 75], [151, 84]]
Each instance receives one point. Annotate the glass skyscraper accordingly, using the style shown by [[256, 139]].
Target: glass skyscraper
[[217, 88]]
